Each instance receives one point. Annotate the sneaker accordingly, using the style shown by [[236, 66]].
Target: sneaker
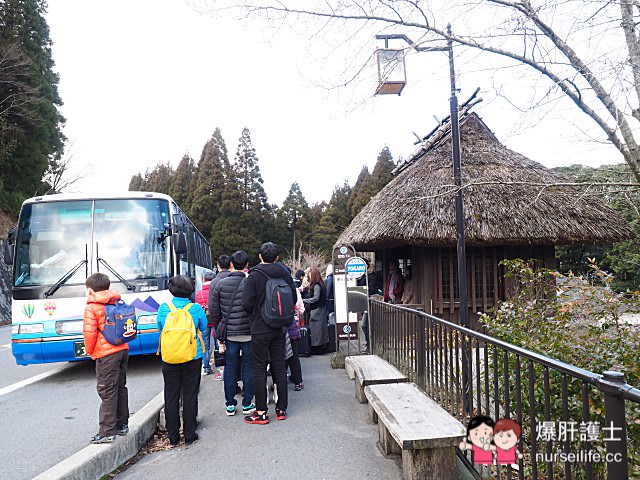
[[281, 414], [257, 418], [217, 376], [231, 410], [206, 371], [249, 409], [123, 430], [298, 386], [103, 438], [189, 442]]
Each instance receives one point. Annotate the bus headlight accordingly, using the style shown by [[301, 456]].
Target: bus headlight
[[147, 320], [72, 326], [29, 328]]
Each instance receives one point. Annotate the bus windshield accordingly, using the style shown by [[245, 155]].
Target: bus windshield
[[53, 237]]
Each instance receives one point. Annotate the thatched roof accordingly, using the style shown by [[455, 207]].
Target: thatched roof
[[507, 200]]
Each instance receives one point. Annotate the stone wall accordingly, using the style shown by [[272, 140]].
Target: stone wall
[[5, 288]]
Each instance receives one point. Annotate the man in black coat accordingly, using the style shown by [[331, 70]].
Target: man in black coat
[[267, 343], [227, 310], [223, 263]]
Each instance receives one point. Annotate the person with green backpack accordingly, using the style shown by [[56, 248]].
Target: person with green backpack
[[181, 324]]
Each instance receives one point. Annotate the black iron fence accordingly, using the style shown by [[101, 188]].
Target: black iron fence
[[575, 423]]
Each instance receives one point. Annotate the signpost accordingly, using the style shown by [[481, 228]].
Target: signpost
[[355, 300], [341, 254]]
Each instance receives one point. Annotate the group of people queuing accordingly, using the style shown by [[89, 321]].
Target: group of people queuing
[[227, 310], [318, 299]]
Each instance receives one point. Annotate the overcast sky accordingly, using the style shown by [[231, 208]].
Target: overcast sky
[[145, 81]]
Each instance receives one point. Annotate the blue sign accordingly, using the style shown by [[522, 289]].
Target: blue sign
[[355, 267]]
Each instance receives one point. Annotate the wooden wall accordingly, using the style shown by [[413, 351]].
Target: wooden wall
[[435, 275]]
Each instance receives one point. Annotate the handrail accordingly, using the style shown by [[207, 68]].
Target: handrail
[[471, 373], [625, 390]]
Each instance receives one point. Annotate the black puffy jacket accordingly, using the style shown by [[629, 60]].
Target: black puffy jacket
[[253, 293], [227, 305]]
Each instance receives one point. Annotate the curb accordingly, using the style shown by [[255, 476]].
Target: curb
[[95, 461]]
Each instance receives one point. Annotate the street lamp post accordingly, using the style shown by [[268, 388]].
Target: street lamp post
[[459, 200], [455, 150], [455, 153]]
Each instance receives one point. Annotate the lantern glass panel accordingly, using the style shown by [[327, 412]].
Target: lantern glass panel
[[391, 66]]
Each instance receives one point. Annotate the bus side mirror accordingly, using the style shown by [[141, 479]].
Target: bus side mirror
[[179, 243], [9, 247]]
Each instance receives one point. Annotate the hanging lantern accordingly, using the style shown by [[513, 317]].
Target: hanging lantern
[[391, 73]]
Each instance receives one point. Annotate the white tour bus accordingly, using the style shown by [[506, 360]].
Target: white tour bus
[[139, 239]]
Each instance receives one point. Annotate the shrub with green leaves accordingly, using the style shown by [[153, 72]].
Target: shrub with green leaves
[[579, 320]]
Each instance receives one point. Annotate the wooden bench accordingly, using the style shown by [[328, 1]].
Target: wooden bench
[[411, 423], [371, 370]]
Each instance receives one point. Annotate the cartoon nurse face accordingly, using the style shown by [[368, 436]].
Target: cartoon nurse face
[[505, 440], [480, 434], [506, 434]]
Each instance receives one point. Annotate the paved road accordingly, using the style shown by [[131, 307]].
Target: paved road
[[326, 436], [49, 412]]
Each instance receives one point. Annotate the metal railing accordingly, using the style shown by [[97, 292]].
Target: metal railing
[[574, 422]]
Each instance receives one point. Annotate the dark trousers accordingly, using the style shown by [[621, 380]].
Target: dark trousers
[[238, 367], [294, 362], [111, 376], [365, 329], [269, 348], [181, 379]]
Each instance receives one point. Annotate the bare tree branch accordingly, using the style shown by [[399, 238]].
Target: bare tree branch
[[543, 44]]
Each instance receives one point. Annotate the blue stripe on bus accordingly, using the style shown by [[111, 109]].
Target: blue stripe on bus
[[61, 349]]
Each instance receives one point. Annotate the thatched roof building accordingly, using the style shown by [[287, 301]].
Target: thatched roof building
[[513, 208], [509, 200]]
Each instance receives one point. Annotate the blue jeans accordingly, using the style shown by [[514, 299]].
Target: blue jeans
[[206, 336], [230, 372]]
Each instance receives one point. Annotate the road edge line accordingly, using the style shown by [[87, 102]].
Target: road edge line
[[28, 381], [95, 461]]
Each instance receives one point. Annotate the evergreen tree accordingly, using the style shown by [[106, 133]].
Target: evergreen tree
[[180, 184], [248, 175], [253, 222], [280, 233], [229, 233], [298, 218], [208, 184], [318, 210], [382, 170], [368, 185], [334, 220], [31, 139], [339, 206], [361, 193], [159, 179], [622, 258], [136, 184]]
